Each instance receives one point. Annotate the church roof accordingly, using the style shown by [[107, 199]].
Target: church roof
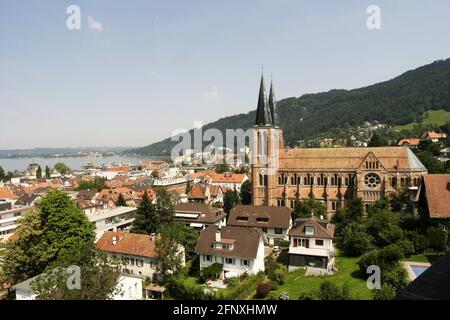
[[263, 116], [392, 158]]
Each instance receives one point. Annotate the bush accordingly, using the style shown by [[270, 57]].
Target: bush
[[407, 247], [387, 292], [396, 277], [329, 291], [245, 288], [273, 296], [273, 285], [211, 272], [310, 295], [419, 241], [279, 275], [178, 289], [285, 244], [262, 290], [437, 238]]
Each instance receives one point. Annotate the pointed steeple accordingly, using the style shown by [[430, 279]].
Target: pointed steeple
[[263, 116], [273, 105]]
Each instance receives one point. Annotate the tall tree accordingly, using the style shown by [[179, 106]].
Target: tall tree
[[2, 174], [164, 206], [146, 217], [39, 173], [53, 229], [121, 201], [308, 208], [246, 192], [98, 276], [62, 168], [47, 172], [378, 141], [230, 200]]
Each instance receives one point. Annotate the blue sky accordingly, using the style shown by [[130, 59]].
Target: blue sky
[[137, 70]]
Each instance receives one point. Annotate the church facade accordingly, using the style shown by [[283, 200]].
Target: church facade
[[283, 176]]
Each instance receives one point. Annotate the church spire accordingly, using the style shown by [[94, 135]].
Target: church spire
[[263, 115], [273, 105]]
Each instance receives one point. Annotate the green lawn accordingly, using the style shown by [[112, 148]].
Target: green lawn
[[436, 117], [296, 282], [430, 258]]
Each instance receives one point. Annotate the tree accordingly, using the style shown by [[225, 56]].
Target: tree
[[308, 208], [44, 234], [230, 200], [355, 241], [155, 174], [98, 184], [355, 209], [62, 168], [437, 238], [246, 192], [98, 276], [146, 218], [39, 173], [223, 167], [188, 187], [2, 174], [121, 201], [164, 206], [378, 141], [181, 234], [170, 255], [329, 291], [47, 172]]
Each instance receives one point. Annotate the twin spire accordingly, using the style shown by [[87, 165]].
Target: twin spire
[[266, 112]]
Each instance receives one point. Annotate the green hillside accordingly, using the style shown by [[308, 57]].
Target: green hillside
[[433, 117], [400, 101]]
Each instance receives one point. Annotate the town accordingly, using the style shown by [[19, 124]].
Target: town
[[203, 227]]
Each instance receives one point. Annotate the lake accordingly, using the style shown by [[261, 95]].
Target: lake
[[74, 163]]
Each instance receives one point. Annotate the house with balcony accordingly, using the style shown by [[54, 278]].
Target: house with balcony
[[273, 222], [9, 221], [111, 219], [199, 215], [239, 250], [312, 244]]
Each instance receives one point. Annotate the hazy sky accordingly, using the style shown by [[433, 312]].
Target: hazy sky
[[137, 70]]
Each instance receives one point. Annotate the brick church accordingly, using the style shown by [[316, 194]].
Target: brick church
[[282, 176]]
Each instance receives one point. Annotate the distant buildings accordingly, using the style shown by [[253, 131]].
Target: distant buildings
[[111, 219]]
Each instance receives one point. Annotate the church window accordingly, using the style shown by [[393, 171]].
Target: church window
[[372, 180]]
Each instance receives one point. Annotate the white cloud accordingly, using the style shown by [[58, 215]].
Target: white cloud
[[212, 93], [95, 25]]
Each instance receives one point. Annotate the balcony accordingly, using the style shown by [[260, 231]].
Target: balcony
[[329, 253]]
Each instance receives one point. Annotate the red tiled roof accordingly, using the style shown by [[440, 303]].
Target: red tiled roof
[[437, 192], [411, 142], [228, 177], [6, 193], [128, 243]]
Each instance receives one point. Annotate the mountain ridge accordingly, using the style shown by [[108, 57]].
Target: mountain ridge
[[398, 101]]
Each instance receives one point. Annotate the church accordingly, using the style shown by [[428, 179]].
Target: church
[[283, 176]]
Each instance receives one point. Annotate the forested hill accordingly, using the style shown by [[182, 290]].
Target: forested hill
[[394, 102]]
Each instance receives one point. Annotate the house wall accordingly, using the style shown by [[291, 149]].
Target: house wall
[[148, 269], [130, 288]]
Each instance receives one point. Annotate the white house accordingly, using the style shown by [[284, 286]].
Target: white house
[[229, 180], [273, 222], [311, 244], [111, 219], [239, 250], [129, 288], [9, 221], [137, 252]]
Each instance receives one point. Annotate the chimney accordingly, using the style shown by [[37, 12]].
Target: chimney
[[218, 236], [114, 240]]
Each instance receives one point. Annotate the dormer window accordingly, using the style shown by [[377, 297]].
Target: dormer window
[[262, 219], [242, 218], [309, 231]]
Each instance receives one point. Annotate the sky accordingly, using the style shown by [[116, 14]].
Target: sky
[[138, 70]]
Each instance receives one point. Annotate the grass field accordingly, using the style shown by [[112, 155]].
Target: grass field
[[296, 282], [436, 117], [431, 258]]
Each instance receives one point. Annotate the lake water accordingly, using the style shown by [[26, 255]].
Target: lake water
[[74, 163]]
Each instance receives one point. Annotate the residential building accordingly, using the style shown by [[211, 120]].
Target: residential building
[[283, 176], [434, 199], [206, 193], [239, 250], [199, 215], [273, 222], [311, 244], [111, 219], [229, 180], [411, 143], [137, 252], [433, 136], [9, 221], [128, 288], [444, 155]]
